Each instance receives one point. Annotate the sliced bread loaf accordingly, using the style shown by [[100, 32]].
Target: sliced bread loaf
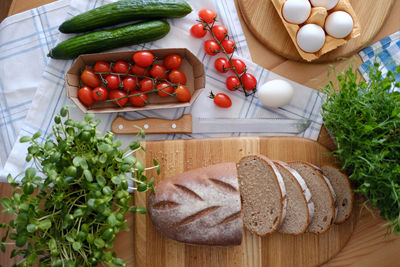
[[342, 187], [263, 194], [200, 206], [300, 208], [322, 197]]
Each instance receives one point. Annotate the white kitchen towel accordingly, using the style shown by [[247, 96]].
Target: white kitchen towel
[[26, 38], [50, 96]]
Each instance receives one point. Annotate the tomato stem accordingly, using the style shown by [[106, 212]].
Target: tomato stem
[[229, 57]]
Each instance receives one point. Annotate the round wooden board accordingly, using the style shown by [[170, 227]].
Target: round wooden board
[[263, 21], [153, 249]]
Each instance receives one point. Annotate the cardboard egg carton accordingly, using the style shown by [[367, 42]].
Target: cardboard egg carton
[[318, 16]]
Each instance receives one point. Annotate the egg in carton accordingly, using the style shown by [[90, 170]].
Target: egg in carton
[[312, 27]]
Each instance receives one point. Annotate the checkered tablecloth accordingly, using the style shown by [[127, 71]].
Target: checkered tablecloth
[[32, 87], [386, 52]]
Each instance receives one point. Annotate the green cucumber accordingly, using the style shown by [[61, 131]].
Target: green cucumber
[[124, 11], [138, 33]]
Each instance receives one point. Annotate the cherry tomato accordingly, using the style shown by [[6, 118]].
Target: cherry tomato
[[207, 15], [249, 81], [89, 78], [222, 65], [85, 96], [239, 65], [158, 72], [121, 67], [102, 66], [177, 76], [139, 71], [221, 100], [143, 58], [198, 30], [100, 93], [182, 93], [167, 90], [172, 61], [220, 32], [211, 47], [115, 94], [139, 100], [229, 46], [146, 85], [129, 84], [112, 81], [232, 83]]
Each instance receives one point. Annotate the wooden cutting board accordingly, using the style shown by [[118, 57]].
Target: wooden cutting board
[[152, 249], [263, 21]]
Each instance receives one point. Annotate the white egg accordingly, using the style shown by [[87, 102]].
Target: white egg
[[339, 24], [328, 4], [275, 93], [310, 38], [296, 11]]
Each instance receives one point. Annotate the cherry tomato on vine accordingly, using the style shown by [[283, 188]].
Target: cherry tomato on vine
[[207, 15], [139, 71], [165, 89], [158, 71], [221, 100], [102, 66], [85, 96], [129, 84], [146, 84], [232, 83], [100, 93], [112, 81], [115, 94], [143, 58], [211, 47], [172, 61], [177, 76], [89, 78], [139, 100], [239, 65], [249, 81], [229, 46], [198, 30], [222, 65], [220, 32], [182, 93], [121, 67]]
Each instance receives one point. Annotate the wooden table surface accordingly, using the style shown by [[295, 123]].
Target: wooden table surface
[[364, 249]]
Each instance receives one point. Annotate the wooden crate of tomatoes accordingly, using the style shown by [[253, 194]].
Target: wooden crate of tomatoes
[[135, 80]]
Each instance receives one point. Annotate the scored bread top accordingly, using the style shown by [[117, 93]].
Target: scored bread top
[[200, 206], [299, 202]]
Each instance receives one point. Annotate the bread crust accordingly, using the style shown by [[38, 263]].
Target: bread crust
[[306, 194], [200, 207], [332, 206], [280, 184], [347, 181]]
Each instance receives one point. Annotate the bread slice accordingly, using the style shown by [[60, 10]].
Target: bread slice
[[263, 194], [199, 207], [344, 194], [300, 208], [322, 197]]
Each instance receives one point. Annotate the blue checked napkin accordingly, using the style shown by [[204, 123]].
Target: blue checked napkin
[[50, 94], [386, 52]]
